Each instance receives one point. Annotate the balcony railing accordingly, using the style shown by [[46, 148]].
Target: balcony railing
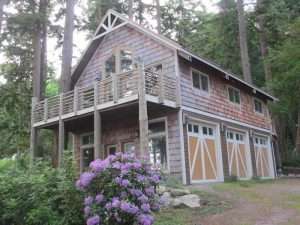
[[108, 91]]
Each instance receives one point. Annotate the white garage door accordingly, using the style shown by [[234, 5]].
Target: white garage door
[[263, 157], [239, 157], [204, 153]]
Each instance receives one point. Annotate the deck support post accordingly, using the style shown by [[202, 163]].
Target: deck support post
[[115, 87], [97, 124], [61, 133], [75, 103], [33, 133], [161, 87], [143, 115]]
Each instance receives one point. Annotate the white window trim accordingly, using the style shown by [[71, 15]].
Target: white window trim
[[83, 147], [165, 133], [117, 52], [228, 97], [262, 106], [199, 90]]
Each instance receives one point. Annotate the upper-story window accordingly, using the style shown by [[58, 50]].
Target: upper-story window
[[200, 80], [120, 61], [234, 95], [258, 106], [110, 65], [126, 63]]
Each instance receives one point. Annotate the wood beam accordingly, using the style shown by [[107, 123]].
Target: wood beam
[[143, 115], [61, 133], [97, 124], [33, 133]]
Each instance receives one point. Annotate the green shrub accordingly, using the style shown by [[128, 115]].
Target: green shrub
[[42, 195]]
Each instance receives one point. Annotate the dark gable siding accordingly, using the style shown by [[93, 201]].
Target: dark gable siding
[[143, 47]]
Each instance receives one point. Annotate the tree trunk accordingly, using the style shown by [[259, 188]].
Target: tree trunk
[[263, 41], [36, 79], [67, 51], [158, 16], [298, 134], [130, 9], [243, 42], [43, 12]]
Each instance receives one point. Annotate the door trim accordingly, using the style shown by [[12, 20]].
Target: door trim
[[220, 174], [248, 150]]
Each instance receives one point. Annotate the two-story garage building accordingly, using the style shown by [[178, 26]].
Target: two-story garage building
[[139, 92]]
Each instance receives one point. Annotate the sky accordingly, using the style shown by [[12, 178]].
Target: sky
[[80, 37]]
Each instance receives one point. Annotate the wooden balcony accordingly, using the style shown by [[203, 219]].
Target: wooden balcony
[[109, 92]]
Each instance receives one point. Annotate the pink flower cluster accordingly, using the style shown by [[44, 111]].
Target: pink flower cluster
[[119, 190]]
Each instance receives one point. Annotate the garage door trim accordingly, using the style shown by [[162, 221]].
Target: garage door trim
[[248, 150], [220, 175]]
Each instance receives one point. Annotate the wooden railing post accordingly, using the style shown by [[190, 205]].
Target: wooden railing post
[[61, 132], [115, 87], [161, 87], [143, 115], [97, 123], [33, 132], [75, 104], [178, 92], [45, 110]]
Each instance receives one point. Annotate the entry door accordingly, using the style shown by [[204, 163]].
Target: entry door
[[238, 151], [204, 154], [263, 157]]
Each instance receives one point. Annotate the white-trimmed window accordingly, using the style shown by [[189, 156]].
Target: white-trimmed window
[[158, 144], [258, 106], [86, 150], [234, 95], [121, 60], [200, 80]]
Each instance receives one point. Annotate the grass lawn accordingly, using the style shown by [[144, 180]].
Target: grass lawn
[[268, 202]]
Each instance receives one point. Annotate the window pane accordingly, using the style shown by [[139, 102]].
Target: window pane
[[196, 80], [210, 131], [190, 128], [258, 106], [196, 129], [110, 66], [87, 139], [231, 95], [158, 153], [204, 83], [112, 150], [156, 127], [126, 60], [204, 130], [129, 148], [87, 157], [237, 96]]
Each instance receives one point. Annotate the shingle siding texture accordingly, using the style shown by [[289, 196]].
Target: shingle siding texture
[[217, 102], [143, 48]]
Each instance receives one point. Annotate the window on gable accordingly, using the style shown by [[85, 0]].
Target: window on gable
[[234, 95], [200, 81], [110, 66], [126, 63], [258, 106]]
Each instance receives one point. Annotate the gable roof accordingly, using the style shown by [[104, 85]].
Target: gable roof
[[114, 20]]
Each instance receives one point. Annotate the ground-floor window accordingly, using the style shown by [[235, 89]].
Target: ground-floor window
[[158, 144], [111, 150], [129, 148], [86, 150]]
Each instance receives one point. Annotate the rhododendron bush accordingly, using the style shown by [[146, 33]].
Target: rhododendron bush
[[119, 190]]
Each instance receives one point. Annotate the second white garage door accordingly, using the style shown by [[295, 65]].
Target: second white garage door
[[239, 157]]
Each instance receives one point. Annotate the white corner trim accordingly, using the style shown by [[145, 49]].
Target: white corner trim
[[183, 165], [197, 111]]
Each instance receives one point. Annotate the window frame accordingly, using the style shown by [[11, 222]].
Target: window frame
[[200, 83], [82, 147], [240, 96], [117, 52], [262, 106], [165, 134]]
